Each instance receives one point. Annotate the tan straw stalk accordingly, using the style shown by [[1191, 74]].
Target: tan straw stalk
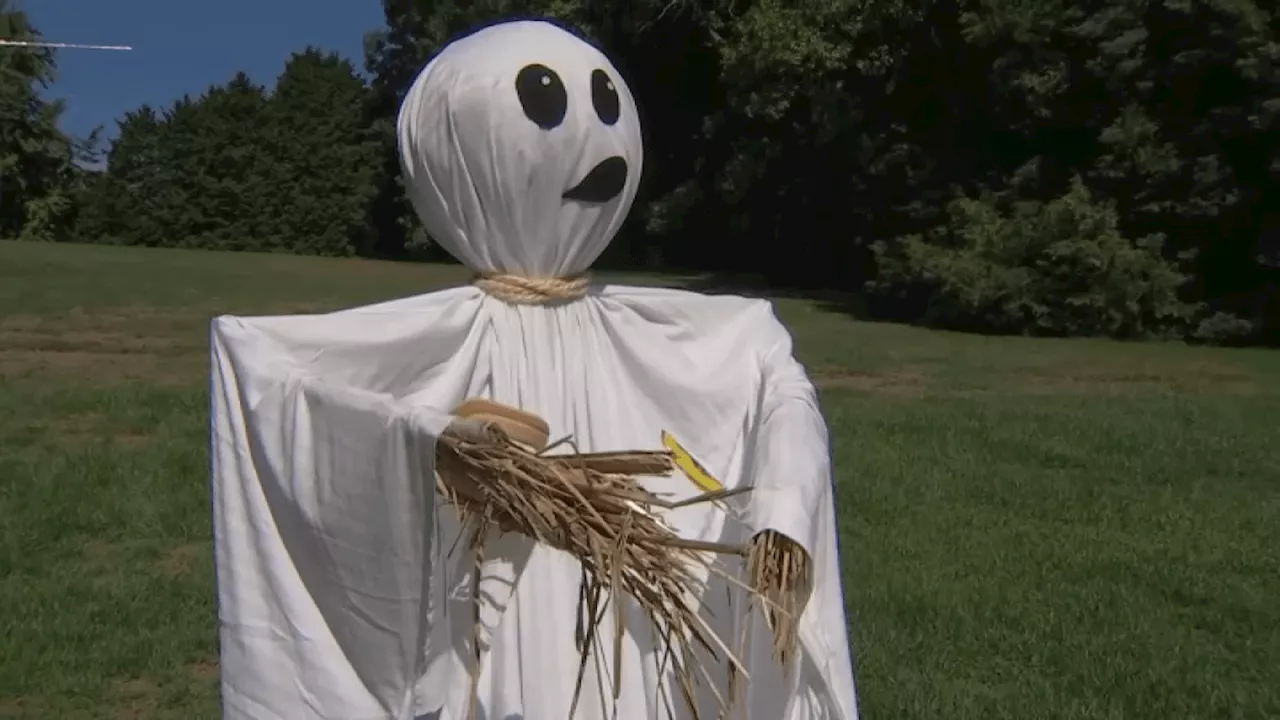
[[592, 507]]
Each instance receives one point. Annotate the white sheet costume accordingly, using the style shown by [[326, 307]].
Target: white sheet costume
[[338, 595]]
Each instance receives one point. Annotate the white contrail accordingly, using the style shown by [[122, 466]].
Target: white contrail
[[77, 46]]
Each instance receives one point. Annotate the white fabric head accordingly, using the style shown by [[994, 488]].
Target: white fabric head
[[521, 149]]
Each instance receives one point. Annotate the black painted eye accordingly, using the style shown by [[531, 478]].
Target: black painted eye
[[542, 95], [605, 97]]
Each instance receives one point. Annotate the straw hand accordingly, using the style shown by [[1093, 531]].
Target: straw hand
[[782, 576]]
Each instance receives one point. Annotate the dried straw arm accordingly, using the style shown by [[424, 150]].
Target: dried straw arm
[[781, 575], [591, 506]]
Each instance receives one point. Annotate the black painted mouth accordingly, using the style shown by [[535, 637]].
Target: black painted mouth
[[602, 184]]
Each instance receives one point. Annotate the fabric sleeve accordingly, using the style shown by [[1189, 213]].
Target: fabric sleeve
[[790, 467], [323, 496]]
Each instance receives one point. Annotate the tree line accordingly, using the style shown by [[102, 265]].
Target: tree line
[[1106, 167]]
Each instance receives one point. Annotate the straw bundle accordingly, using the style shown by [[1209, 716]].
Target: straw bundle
[[782, 578], [592, 507]]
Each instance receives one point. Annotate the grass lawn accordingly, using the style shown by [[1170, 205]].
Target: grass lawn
[[1031, 528]]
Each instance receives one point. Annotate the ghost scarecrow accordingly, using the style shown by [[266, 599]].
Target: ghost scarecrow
[[341, 591]]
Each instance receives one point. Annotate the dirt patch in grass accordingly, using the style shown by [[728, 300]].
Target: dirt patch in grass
[[103, 563], [134, 698], [146, 698], [76, 430], [24, 708], [136, 687], [91, 341], [177, 561], [1183, 377], [897, 383], [189, 693], [173, 561], [135, 320], [100, 555], [203, 670], [144, 345], [132, 332], [103, 367], [166, 348]]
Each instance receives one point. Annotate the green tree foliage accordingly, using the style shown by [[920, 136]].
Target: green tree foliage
[[294, 171], [38, 177], [124, 205], [1107, 167], [1056, 267], [327, 156]]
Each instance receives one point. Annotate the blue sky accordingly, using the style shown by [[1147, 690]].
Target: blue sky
[[184, 46]]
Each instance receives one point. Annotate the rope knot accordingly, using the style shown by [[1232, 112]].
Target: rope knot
[[521, 290]]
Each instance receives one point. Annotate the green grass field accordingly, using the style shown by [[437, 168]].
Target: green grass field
[[1031, 528]]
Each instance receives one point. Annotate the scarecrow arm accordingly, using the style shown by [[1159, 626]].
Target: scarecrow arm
[[790, 469], [324, 495], [790, 475]]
